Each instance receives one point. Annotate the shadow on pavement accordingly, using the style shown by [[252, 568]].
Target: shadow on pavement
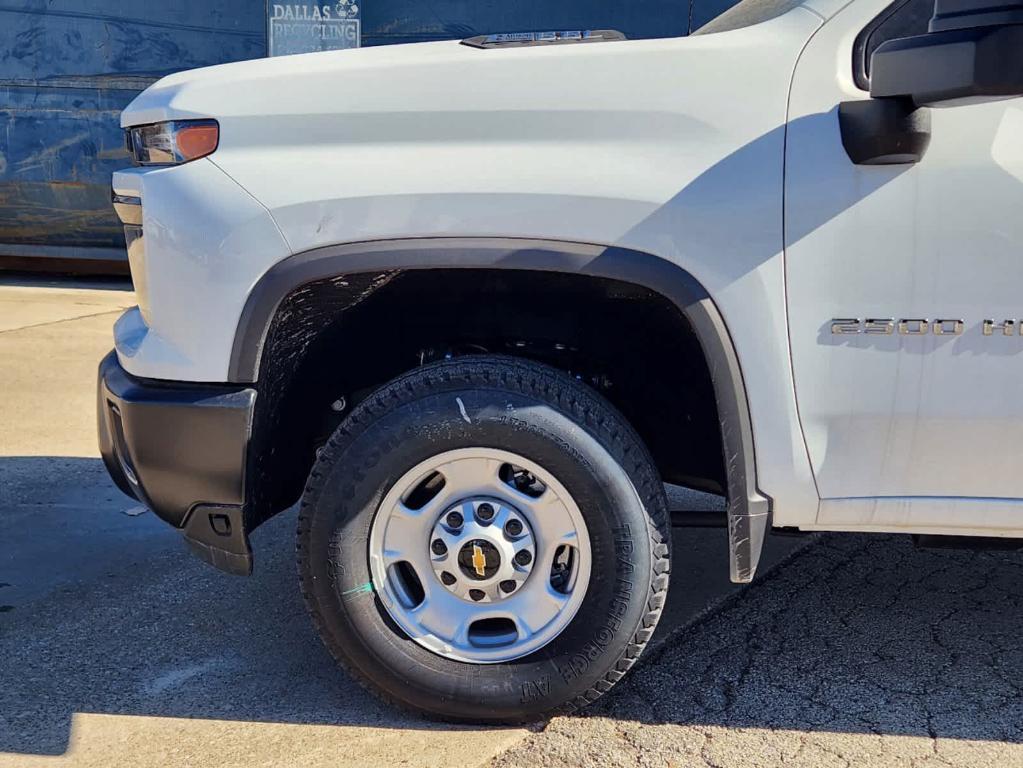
[[858, 634], [105, 612], [133, 624]]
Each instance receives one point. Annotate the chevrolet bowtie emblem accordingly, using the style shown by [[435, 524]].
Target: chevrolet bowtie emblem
[[479, 560]]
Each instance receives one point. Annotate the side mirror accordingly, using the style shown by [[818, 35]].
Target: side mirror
[[973, 50]]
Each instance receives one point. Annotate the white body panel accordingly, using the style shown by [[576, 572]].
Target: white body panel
[[949, 516], [206, 243], [905, 432], [673, 147]]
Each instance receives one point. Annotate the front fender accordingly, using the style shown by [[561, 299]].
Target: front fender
[[362, 265]]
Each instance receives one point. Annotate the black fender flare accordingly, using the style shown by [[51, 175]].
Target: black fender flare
[[748, 509]]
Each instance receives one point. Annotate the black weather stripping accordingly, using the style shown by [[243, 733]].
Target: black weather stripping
[[526, 39]]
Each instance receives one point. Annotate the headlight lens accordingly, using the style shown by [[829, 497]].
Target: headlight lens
[[173, 142]]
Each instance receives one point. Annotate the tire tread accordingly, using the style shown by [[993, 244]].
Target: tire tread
[[586, 407]]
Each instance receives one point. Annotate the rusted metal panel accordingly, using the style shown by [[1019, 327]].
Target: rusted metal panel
[[58, 149], [67, 68], [406, 21]]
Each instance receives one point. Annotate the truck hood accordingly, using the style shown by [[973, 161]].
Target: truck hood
[[287, 84], [449, 76]]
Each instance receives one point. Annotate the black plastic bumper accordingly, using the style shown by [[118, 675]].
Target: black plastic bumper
[[180, 449]]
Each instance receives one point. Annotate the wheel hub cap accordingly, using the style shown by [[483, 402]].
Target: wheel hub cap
[[480, 555]]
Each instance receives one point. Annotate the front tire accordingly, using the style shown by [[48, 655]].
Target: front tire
[[443, 613]]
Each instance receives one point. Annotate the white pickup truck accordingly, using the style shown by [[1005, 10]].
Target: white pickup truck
[[473, 304]]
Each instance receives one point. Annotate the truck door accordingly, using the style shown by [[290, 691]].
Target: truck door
[[904, 299]]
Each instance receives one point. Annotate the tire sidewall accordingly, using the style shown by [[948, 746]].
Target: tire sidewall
[[376, 447]]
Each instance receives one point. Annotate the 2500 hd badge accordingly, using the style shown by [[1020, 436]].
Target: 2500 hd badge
[[921, 327]]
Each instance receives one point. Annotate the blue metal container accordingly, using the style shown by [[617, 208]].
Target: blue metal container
[[68, 67]]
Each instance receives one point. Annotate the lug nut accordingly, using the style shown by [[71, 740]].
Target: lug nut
[[447, 578], [439, 547], [523, 557], [508, 586], [485, 512], [455, 520], [477, 594], [513, 527]]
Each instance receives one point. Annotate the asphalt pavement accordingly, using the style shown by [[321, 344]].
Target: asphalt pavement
[[860, 651], [117, 647]]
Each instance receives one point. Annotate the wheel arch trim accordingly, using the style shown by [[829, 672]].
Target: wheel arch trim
[[748, 509]]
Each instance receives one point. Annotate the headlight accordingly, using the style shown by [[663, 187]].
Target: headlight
[[173, 142]]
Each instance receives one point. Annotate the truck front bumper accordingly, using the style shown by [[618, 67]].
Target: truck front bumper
[[180, 449]]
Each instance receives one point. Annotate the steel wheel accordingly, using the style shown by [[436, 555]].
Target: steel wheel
[[480, 555]]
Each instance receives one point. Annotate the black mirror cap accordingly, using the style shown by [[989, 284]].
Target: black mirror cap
[[884, 131], [954, 65], [969, 14]]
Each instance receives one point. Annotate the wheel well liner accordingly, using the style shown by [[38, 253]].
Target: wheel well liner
[[748, 509]]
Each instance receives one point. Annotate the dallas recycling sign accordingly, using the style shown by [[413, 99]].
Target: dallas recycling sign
[[305, 28]]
